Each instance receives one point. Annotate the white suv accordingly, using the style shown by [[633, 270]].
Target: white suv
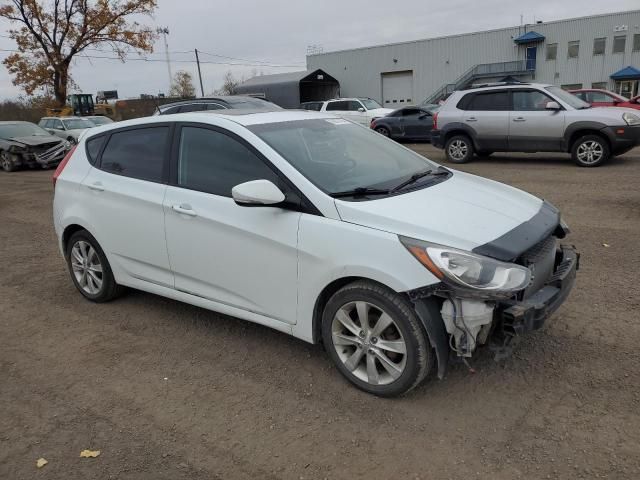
[[532, 117], [359, 110], [314, 226]]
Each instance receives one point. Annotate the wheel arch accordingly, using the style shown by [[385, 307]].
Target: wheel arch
[[68, 231], [458, 128], [580, 129]]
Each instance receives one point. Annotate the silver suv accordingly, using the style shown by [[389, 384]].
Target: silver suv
[[531, 117]]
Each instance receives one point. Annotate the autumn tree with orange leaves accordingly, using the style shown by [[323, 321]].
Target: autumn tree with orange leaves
[[50, 33]]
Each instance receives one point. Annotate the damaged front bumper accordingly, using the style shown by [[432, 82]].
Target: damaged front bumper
[[53, 156], [530, 314]]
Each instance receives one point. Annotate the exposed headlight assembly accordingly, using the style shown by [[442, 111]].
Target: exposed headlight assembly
[[631, 118], [474, 274]]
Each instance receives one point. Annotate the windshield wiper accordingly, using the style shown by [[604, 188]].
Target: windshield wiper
[[360, 192], [417, 176]]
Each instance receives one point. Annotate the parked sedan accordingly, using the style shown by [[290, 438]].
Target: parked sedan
[[314, 226], [223, 102], [408, 123], [24, 144], [604, 98], [69, 128]]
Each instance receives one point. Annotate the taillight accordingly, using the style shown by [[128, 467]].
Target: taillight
[[373, 123], [435, 121], [63, 164]]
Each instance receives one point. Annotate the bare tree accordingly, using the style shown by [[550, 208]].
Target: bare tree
[[182, 85]]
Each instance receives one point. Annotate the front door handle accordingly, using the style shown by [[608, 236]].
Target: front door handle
[[519, 119], [97, 186], [184, 209], [472, 119]]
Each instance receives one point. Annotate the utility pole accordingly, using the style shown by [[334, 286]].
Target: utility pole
[[199, 73], [164, 31]]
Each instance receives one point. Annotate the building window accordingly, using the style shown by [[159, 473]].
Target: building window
[[574, 49], [636, 42], [599, 85], [599, 45], [552, 51], [619, 43], [571, 86]]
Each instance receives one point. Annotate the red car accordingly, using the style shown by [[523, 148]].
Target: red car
[[604, 98]]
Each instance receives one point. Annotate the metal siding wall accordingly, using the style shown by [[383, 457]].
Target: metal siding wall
[[439, 61]]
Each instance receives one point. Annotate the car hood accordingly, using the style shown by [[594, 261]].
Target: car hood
[[36, 140], [380, 112], [464, 211]]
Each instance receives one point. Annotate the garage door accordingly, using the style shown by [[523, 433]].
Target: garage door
[[397, 89]]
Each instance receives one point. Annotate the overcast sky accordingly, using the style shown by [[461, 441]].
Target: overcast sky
[[277, 32]]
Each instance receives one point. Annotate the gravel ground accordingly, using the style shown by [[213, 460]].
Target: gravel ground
[[169, 391]]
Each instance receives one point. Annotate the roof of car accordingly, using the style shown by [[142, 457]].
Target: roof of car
[[502, 85], [61, 118], [14, 122], [229, 99], [241, 117]]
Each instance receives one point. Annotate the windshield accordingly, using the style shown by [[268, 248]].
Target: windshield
[[77, 124], [370, 104], [100, 120], [338, 156], [21, 130], [568, 98]]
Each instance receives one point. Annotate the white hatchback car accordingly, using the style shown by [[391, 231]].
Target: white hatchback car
[[316, 227]]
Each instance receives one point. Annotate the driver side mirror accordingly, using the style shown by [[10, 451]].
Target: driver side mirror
[[553, 106], [257, 193], [361, 110]]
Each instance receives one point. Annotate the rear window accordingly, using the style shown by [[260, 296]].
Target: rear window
[[338, 106], [94, 145], [138, 153]]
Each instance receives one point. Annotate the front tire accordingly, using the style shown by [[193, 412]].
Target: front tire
[[590, 151], [7, 163], [459, 149], [90, 269], [375, 339]]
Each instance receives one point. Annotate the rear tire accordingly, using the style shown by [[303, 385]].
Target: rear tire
[[590, 151], [459, 149], [90, 270], [386, 354], [384, 131]]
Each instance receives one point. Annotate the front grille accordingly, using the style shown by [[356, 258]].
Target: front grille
[[44, 147], [540, 259]]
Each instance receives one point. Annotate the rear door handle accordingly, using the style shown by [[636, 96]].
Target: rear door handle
[[97, 186], [472, 119], [519, 119], [184, 209]]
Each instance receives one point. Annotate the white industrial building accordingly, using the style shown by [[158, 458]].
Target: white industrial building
[[601, 51]]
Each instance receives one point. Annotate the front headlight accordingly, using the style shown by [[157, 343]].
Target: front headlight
[[468, 271], [631, 118]]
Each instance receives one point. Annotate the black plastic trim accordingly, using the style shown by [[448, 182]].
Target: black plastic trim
[[512, 244]]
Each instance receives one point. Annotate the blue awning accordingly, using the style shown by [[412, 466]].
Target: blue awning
[[529, 37], [627, 73]]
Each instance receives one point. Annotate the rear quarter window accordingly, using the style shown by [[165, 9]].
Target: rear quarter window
[[94, 145]]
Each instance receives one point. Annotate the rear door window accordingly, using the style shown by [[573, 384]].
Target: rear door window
[[193, 107], [171, 110], [215, 106], [338, 106], [138, 153], [490, 101]]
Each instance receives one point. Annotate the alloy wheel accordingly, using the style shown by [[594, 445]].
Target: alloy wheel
[[383, 131], [87, 267], [369, 343], [458, 150], [590, 152]]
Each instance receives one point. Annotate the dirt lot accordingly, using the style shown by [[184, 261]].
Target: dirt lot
[[169, 391]]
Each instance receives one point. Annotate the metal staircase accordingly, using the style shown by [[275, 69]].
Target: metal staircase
[[483, 70]]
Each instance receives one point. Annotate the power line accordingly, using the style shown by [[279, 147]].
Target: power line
[[157, 60]]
